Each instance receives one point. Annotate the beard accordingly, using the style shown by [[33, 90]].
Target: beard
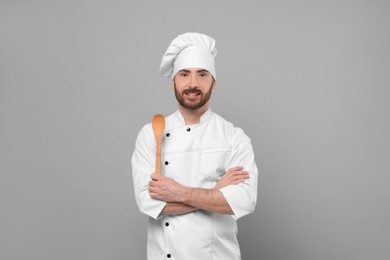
[[189, 104]]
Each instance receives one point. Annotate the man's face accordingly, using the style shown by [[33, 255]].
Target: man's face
[[193, 87]]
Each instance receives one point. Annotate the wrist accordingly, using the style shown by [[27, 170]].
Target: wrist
[[186, 195]]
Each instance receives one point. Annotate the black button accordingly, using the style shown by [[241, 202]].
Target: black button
[[168, 134], [188, 129], [166, 224], [166, 162], [169, 255]]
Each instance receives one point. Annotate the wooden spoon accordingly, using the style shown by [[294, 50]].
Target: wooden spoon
[[158, 124]]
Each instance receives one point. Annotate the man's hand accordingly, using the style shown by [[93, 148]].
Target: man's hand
[[165, 188], [233, 176]]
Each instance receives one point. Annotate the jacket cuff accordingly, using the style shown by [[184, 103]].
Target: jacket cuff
[[153, 208], [239, 200]]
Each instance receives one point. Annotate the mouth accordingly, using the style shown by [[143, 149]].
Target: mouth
[[192, 95]]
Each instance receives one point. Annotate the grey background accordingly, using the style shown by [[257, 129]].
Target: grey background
[[308, 81]]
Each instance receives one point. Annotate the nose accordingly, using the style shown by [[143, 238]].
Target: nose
[[193, 81]]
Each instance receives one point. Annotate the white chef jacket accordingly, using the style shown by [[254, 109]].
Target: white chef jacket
[[195, 156]]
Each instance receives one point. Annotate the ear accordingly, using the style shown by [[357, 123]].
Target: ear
[[214, 83]]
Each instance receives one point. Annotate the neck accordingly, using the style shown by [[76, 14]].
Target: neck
[[192, 117]]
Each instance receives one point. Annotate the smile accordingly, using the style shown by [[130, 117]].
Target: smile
[[192, 95]]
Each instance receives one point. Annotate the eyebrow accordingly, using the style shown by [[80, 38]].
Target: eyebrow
[[198, 71]]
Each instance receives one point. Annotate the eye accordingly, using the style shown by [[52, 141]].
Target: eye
[[183, 74], [202, 75]]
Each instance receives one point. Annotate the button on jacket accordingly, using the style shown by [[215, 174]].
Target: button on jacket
[[195, 156]]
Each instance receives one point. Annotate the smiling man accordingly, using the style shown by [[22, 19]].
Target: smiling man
[[196, 99], [209, 175]]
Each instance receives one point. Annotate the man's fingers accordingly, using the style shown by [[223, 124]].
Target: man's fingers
[[243, 177], [243, 173], [153, 195], [236, 168], [240, 177], [152, 183], [238, 181], [155, 177], [235, 173]]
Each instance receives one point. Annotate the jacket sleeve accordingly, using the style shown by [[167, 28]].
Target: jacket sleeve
[[242, 197], [143, 165]]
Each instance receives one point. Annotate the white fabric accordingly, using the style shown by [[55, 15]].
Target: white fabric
[[189, 50], [196, 158]]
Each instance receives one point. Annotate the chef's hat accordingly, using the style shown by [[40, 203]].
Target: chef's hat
[[189, 50]]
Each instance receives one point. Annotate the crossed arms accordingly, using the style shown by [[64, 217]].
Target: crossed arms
[[181, 199], [235, 192]]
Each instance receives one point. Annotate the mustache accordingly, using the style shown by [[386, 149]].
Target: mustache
[[192, 91]]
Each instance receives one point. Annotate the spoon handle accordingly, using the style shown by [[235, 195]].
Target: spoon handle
[[158, 124], [158, 156]]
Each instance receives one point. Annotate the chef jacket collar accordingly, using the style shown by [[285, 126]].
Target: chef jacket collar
[[203, 118]]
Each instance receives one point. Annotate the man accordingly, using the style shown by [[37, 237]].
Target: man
[[209, 174]]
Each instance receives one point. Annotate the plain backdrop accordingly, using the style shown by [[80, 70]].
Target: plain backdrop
[[308, 82]]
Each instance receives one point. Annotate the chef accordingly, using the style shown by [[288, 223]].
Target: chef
[[209, 174]]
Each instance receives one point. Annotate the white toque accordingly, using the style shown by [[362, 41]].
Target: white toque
[[189, 50]]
